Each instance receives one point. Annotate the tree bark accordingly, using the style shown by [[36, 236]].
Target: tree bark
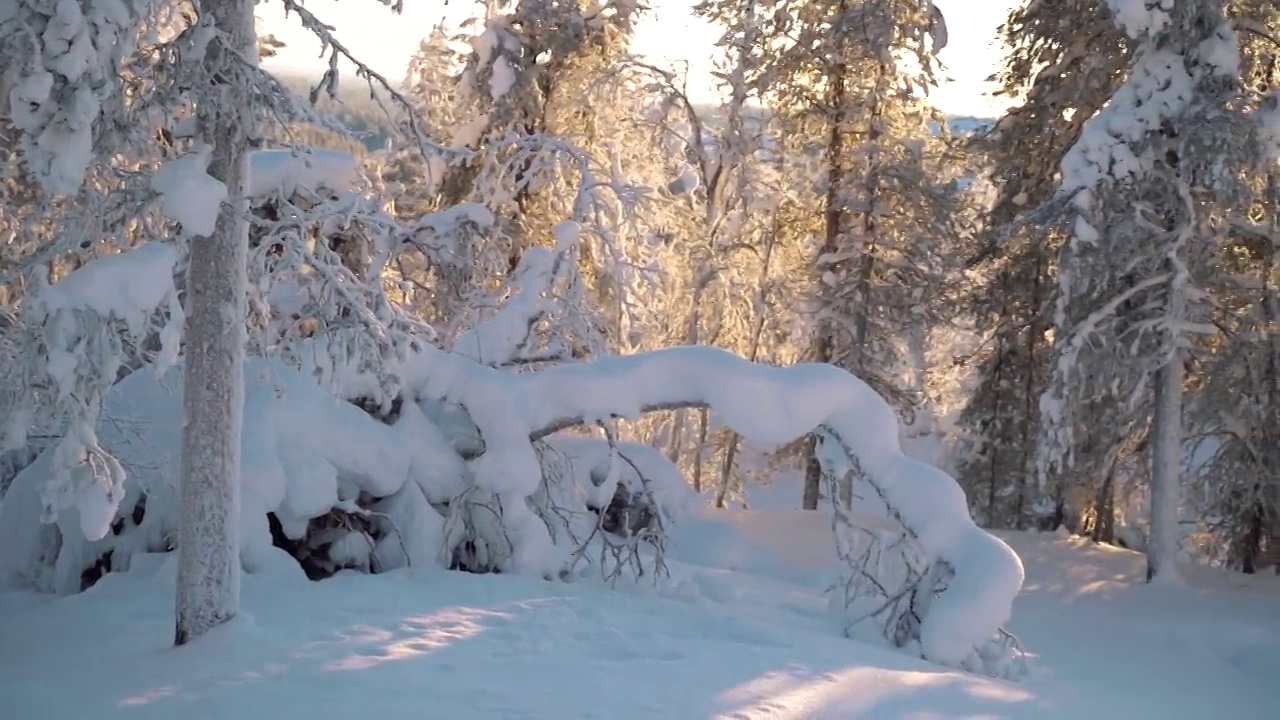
[[1166, 460], [1271, 315], [1104, 509], [834, 216], [208, 592]]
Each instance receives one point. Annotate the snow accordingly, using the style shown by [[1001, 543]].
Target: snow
[[502, 337], [1221, 51], [290, 171], [469, 133], [687, 180], [502, 79], [722, 642], [1159, 88], [297, 442], [128, 285], [188, 195], [1141, 17], [62, 30], [65, 77]]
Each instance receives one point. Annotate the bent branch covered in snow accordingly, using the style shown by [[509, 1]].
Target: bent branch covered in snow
[[774, 406]]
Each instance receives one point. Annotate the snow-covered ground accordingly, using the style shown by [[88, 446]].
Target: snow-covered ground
[[741, 631]]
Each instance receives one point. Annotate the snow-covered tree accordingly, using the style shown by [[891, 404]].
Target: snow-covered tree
[[1145, 179], [1064, 61], [1233, 401], [848, 80]]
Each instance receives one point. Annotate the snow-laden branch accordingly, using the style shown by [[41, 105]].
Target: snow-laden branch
[[503, 337], [767, 405], [774, 406], [79, 322], [334, 50]]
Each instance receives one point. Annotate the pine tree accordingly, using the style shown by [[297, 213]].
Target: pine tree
[[1065, 59], [1147, 179], [208, 527], [1234, 406]]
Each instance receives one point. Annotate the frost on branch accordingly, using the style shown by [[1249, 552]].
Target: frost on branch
[[504, 337], [67, 56], [774, 406], [80, 326], [188, 195]]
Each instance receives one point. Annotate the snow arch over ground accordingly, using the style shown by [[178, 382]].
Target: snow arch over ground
[[773, 406], [302, 444]]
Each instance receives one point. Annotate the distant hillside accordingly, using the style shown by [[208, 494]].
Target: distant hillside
[[354, 108], [363, 116]]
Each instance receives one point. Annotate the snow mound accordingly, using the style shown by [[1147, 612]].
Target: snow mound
[[303, 452], [361, 646], [288, 171]]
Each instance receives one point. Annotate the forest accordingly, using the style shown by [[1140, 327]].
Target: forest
[[529, 307]]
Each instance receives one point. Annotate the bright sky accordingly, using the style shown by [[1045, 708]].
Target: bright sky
[[670, 34]]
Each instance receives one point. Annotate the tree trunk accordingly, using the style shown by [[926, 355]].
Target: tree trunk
[[208, 526], [1104, 509], [1271, 313], [1030, 421], [812, 475], [1251, 544], [699, 448], [753, 354], [834, 216], [1166, 459]]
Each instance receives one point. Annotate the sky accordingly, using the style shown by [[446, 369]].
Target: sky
[[670, 34]]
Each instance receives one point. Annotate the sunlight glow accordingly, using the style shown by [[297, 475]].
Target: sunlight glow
[[669, 35], [868, 691], [416, 635]]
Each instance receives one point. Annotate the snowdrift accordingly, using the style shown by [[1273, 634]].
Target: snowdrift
[[306, 451], [386, 646]]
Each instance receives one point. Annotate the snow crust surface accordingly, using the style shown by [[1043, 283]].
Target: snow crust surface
[[288, 171], [730, 639]]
